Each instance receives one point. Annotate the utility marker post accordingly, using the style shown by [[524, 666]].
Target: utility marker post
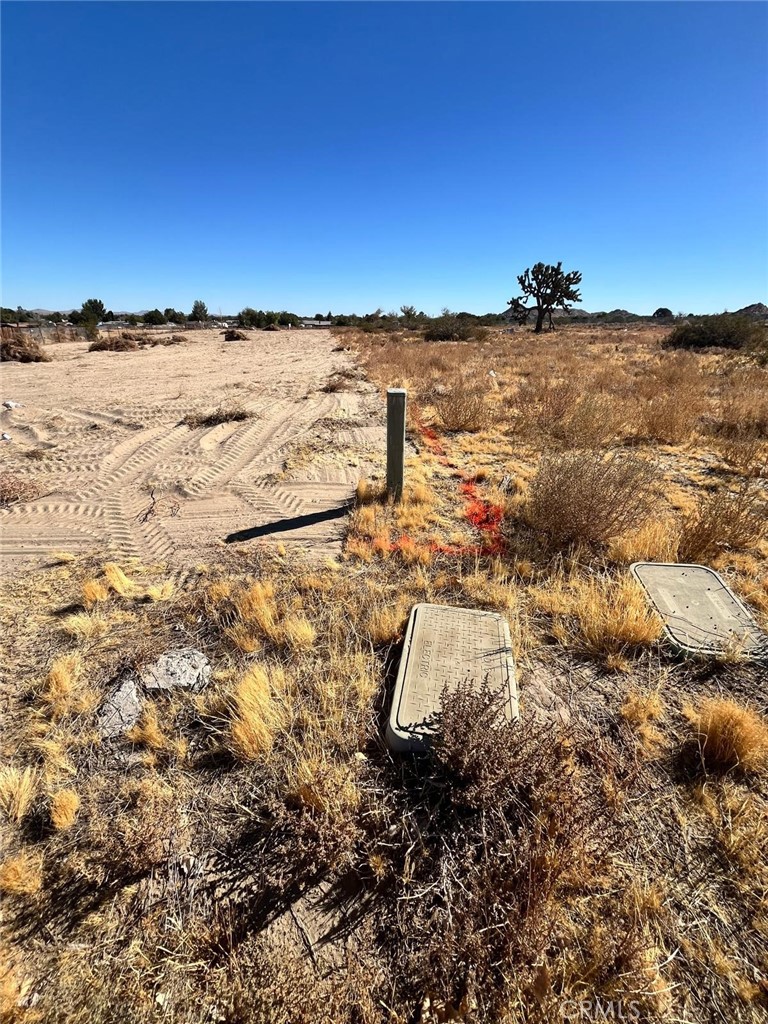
[[396, 398]]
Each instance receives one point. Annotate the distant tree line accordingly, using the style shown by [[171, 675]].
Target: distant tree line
[[547, 292]]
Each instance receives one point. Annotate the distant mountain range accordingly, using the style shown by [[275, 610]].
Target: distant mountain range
[[756, 311]]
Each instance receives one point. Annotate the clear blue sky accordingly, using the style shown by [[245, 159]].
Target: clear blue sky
[[353, 155]]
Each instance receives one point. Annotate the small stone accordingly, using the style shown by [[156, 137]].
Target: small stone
[[11, 405], [185, 669], [122, 708], [538, 703], [6, 437]]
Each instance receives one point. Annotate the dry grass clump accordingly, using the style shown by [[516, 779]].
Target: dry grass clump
[[15, 488], [602, 617], [368, 492], [62, 692], [724, 519], [22, 874], [94, 592], [117, 580], [669, 398], [729, 736], [113, 343], [596, 420], [614, 616], [147, 732], [656, 540], [258, 712], [20, 347], [463, 408], [65, 804], [18, 789], [589, 496], [222, 414], [85, 625]]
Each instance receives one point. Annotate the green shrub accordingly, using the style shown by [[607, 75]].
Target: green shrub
[[454, 328], [723, 331]]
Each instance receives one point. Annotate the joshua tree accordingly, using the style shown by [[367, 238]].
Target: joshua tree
[[550, 288]]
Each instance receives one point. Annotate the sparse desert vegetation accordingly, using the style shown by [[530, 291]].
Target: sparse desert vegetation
[[254, 851]]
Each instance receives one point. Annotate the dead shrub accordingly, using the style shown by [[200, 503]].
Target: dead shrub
[[545, 402], [152, 340], [508, 819], [596, 421], [463, 408], [222, 414], [20, 347], [232, 335], [669, 418], [747, 455], [724, 519], [16, 488], [743, 406], [590, 496], [729, 736], [113, 343]]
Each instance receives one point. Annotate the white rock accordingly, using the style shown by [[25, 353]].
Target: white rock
[[186, 669], [122, 708], [12, 405], [6, 437]]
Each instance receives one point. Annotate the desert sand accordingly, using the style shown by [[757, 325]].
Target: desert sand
[[102, 437]]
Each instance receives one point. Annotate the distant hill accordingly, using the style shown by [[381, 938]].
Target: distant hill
[[758, 310]]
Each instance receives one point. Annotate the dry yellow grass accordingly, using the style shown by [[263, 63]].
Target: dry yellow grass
[[119, 582], [18, 789], [729, 736], [643, 709], [64, 692], [22, 874], [614, 616], [147, 731], [322, 784], [160, 592], [257, 713], [655, 541], [94, 592], [85, 625], [256, 607], [65, 804], [601, 616]]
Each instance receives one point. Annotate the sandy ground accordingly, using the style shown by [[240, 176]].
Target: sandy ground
[[108, 425]]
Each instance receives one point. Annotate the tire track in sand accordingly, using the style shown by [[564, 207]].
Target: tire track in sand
[[298, 457]]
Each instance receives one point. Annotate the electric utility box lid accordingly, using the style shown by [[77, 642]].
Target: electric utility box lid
[[700, 612], [443, 648]]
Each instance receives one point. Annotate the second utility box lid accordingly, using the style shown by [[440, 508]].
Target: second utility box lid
[[701, 614], [444, 647]]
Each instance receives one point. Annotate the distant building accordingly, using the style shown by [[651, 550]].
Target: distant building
[[315, 323]]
